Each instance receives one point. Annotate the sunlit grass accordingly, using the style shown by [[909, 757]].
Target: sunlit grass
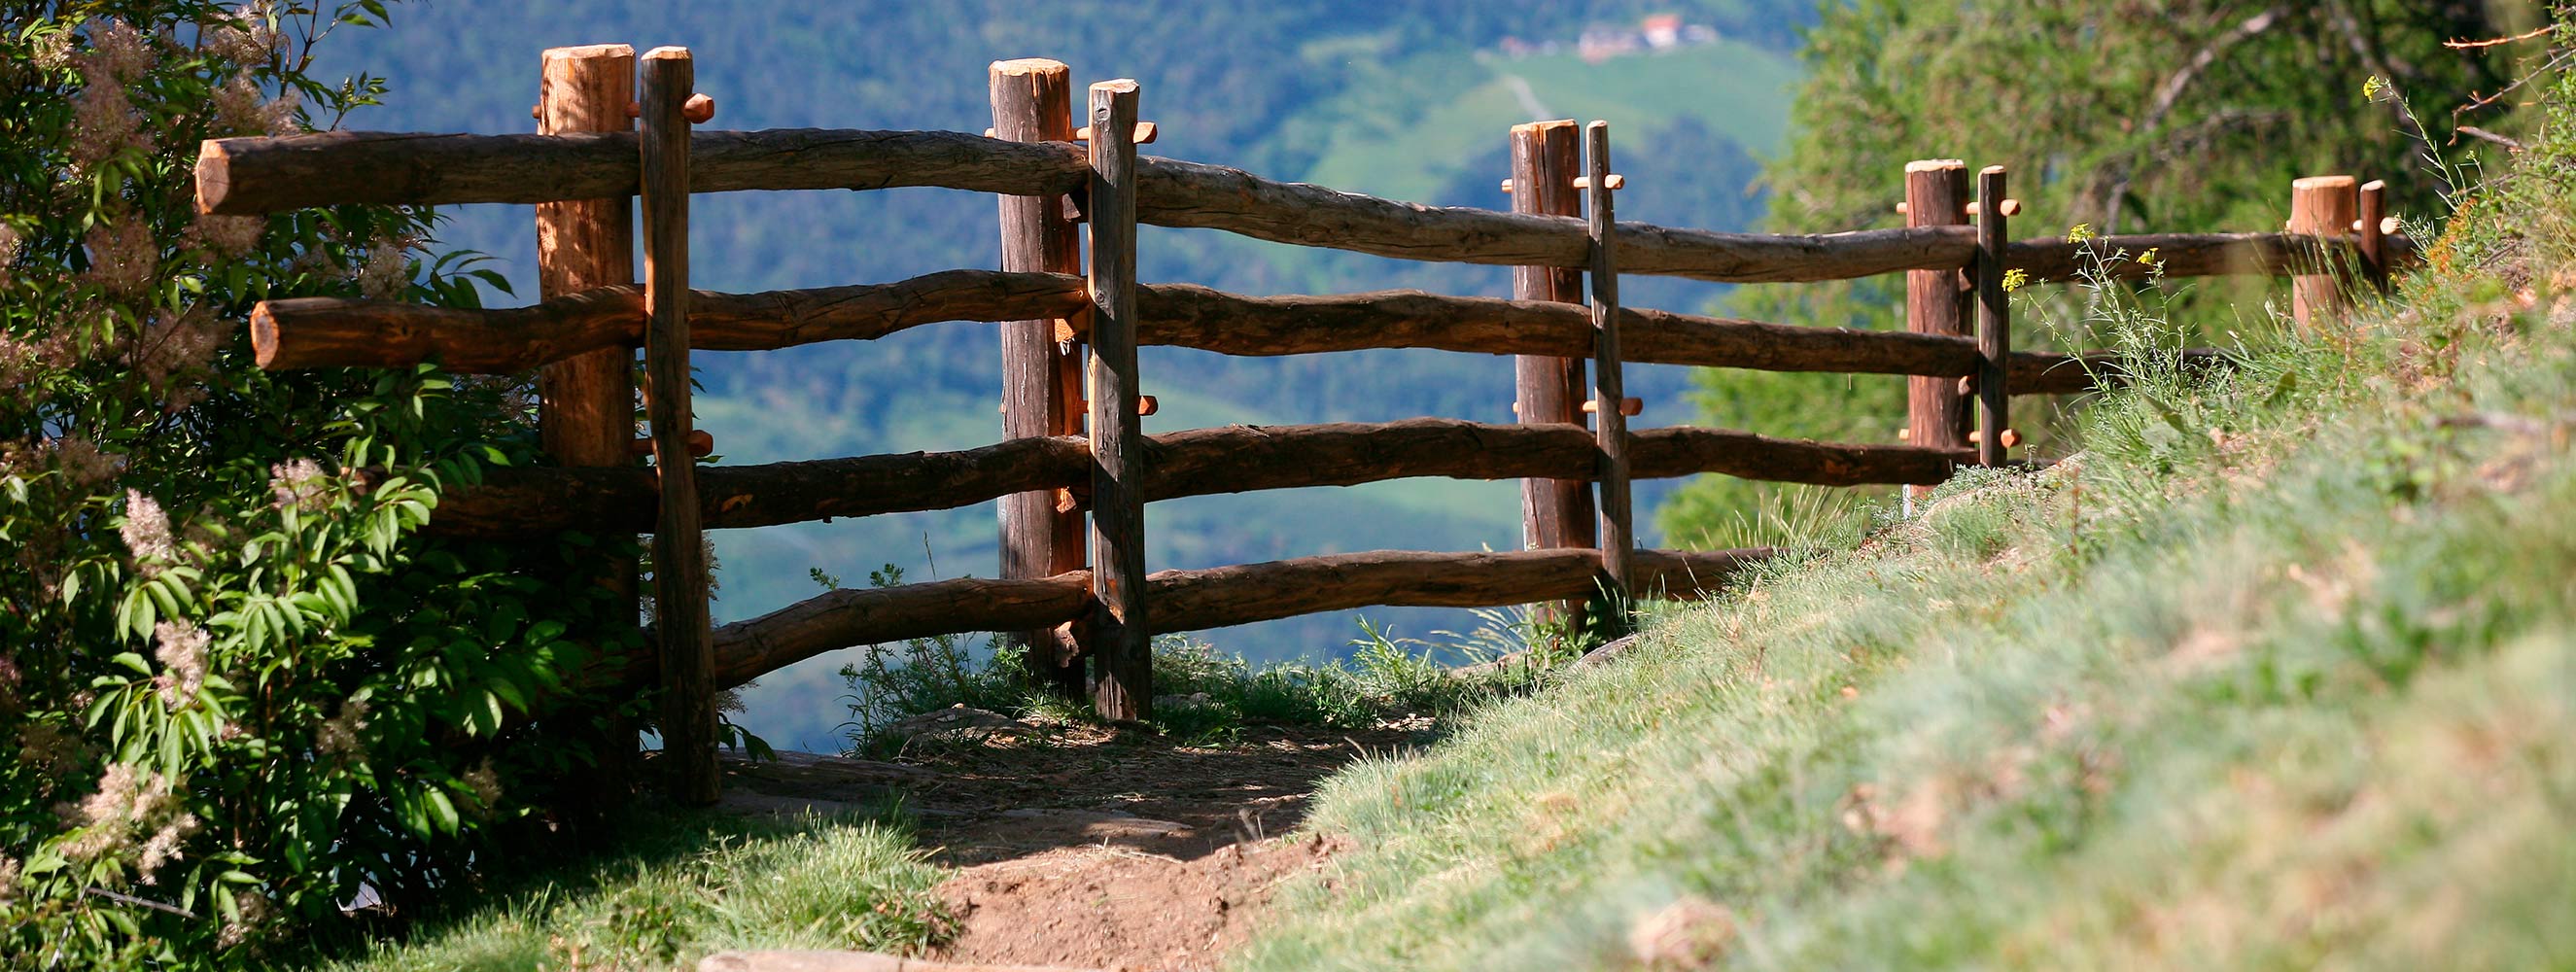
[[679, 889], [2279, 671]]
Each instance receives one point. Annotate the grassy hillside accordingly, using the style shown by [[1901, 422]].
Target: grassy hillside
[[2278, 671], [1392, 98]]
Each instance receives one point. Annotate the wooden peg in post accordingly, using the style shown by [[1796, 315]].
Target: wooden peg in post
[[2011, 207], [1994, 322], [2320, 206], [680, 582], [1123, 669], [1609, 401], [1613, 180], [701, 445], [1145, 133], [1042, 360], [700, 110], [1628, 406], [1145, 405]]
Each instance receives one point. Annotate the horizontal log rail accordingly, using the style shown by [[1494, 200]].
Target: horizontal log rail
[[275, 173], [1193, 600], [312, 332], [1197, 462], [323, 332]]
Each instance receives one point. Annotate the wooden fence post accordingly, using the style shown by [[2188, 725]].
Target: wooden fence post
[[1041, 376], [2321, 206], [1618, 535], [586, 404], [1994, 319], [1936, 302], [1546, 156], [1123, 666], [679, 552], [2373, 235]]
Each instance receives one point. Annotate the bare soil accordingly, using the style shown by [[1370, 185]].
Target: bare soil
[[1090, 847]]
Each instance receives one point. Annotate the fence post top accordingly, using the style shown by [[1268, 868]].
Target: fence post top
[[1029, 65], [1540, 126], [588, 51], [1934, 165], [2325, 182], [667, 52]]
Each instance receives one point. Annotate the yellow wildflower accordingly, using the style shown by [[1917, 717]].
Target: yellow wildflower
[[2016, 280], [2081, 232]]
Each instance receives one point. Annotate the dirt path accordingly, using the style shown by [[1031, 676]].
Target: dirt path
[[1091, 848]]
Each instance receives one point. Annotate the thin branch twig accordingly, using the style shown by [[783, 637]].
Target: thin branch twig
[[139, 902], [2473, 131], [2461, 45]]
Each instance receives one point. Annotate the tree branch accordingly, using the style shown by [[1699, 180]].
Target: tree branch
[[2168, 95]]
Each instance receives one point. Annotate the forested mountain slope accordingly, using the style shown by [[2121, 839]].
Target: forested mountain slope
[[1409, 100]]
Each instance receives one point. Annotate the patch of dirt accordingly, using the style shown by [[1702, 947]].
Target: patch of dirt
[[1110, 907], [1084, 846]]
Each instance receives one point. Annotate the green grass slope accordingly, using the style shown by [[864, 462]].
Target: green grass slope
[[2279, 671]]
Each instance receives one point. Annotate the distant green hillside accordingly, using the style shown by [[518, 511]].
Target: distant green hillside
[[1409, 100]]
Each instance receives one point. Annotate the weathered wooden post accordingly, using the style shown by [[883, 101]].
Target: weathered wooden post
[[1618, 536], [586, 404], [679, 551], [1546, 157], [2373, 229], [1041, 375], [2323, 207], [1936, 302], [1123, 664], [1994, 319]]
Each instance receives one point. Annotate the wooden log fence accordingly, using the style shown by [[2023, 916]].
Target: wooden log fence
[[1609, 397], [1041, 375], [1054, 465], [1547, 388], [320, 332], [586, 400], [1197, 462], [1192, 600], [238, 176]]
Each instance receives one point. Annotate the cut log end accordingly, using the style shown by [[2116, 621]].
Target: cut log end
[[263, 336], [214, 175], [1031, 66], [2324, 183], [1935, 165], [582, 52]]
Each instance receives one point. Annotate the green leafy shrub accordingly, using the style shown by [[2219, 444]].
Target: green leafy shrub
[[240, 693]]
